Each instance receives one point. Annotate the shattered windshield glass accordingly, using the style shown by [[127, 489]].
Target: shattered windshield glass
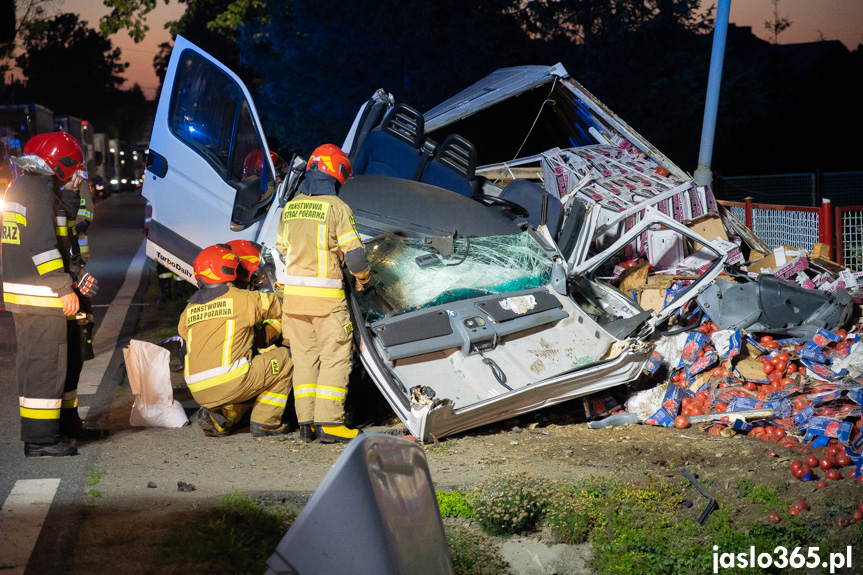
[[408, 275]]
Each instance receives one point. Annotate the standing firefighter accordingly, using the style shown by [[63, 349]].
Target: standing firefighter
[[39, 289], [77, 200], [221, 371], [316, 236]]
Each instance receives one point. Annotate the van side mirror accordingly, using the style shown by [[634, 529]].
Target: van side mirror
[[250, 203]]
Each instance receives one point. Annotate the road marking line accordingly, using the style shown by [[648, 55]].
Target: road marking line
[[105, 338], [83, 410], [21, 519]]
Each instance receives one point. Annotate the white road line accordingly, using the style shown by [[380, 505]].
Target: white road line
[[83, 410], [21, 519], [105, 338]]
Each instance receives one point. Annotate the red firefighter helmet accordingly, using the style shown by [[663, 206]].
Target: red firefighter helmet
[[254, 163], [59, 150], [331, 160], [248, 254], [216, 265]]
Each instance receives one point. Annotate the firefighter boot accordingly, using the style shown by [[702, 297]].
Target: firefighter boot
[[213, 424], [334, 433], [307, 433], [59, 449], [259, 430]]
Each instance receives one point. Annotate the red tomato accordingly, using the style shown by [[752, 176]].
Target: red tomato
[[833, 474], [677, 376], [794, 510], [768, 368], [842, 333], [774, 518], [820, 484], [796, 464], [779, 434], [792, 368], [765, 338], [811, 461], [833, 450], [717, 372], [802, 370], [800, 504], [786, 381], [722, 385], [686, 401], [681, 422], [842, 522], [842, 460], [780, 366], [766, 437], [857, 516], [771, 345], [750, 385], [721, 406], [783, 356], [696, 411], [825, 464]]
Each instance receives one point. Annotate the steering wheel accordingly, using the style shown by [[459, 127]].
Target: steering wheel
[[488, 200]]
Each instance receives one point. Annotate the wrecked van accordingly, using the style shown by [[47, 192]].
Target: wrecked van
[[496, 255]]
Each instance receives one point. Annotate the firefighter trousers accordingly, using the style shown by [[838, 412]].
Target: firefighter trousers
[[48, 366], [268, 382], [321, 350]]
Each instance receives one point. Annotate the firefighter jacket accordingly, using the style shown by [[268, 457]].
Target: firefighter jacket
[[218, 327], [35, 247], [316, 235]]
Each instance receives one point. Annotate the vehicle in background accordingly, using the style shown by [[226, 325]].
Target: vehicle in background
[[119, 165], [18, 124], [139, 163], [99, 171]]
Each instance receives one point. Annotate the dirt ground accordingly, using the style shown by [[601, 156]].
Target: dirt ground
[[139, 499]]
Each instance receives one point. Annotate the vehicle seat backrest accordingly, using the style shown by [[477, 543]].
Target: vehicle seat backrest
[[453, 167], [535, 199], [393, 149]]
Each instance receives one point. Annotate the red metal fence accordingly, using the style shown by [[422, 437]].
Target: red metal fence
[[803, 227]]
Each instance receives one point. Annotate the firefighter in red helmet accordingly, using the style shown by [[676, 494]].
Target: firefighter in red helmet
[[316, 236], [254, 163], [41, 289], [220, 367]]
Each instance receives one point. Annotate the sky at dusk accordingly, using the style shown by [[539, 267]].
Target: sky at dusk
[[811, 20]]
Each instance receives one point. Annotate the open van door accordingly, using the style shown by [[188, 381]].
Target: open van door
[[209, 191]]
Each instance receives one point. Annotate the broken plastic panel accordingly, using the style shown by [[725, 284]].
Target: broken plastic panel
[[409, 275]]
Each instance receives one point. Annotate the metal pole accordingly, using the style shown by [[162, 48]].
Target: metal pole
[[703, 174]]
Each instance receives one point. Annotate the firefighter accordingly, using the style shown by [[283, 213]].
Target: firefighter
[[77, 200], [316, 236], [39, 288], [220, 369]]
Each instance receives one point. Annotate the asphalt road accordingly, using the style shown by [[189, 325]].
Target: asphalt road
[[42, 499]]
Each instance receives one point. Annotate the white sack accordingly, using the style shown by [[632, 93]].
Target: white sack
[[150, 380]]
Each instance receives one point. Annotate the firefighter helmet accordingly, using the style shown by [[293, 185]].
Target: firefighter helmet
[[331, 160], [254, 162], [59, 150], [248, 254], [216, 265]]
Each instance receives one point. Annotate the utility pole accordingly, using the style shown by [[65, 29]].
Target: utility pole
[[703, 174]]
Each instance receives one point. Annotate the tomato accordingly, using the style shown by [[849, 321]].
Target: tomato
[[783, 356], [794, 510], [774, 518], [842, 460], [820, 484], [722, 385], [802, 370], [779, 434], [800, 504], [677, 376], [771, 453], [721, 406], [725, 418], [787, 443], [765, 338], [825, 464], [833, 475], [750, 385], [771, 345], [686, 401], [681, 422], [842, 334], [717, 372], [834, 450], [842, 522], [796, 464], [696, 411], [792, 368], [780, 366], [766, 437], [857, 516], [811, 461], [768, 368], [785, 382]]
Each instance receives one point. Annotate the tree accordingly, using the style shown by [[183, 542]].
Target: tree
[[69, 67], [779, 24]]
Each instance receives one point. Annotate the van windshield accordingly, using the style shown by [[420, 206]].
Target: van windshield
[[409, 275]]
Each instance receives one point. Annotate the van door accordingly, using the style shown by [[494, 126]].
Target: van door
[[209, 175]]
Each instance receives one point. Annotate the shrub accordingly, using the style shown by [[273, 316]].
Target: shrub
[[509, 504], [454, 504]]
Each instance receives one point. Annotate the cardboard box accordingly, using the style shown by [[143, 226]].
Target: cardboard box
[[664, 248], [779, 257], [708, 226]]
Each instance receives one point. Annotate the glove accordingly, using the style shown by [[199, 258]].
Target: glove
[[362, 283], [81, 227], [87, 284]]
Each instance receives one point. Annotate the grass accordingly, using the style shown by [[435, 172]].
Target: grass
[[239, 535], [94, 476]]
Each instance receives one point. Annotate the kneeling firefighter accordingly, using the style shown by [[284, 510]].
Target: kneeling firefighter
[[221, 371], [316, 236]]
